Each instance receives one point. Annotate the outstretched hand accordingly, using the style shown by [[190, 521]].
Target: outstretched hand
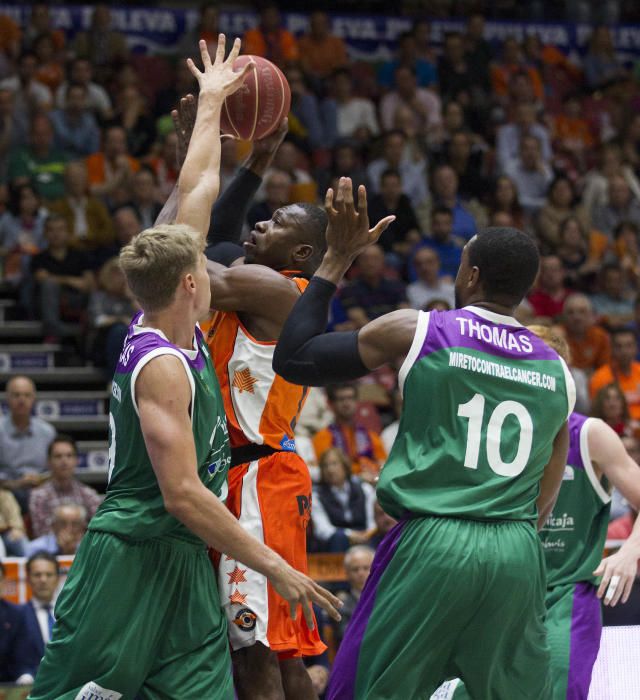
[[218, 77], [348, 232], [184, 119]]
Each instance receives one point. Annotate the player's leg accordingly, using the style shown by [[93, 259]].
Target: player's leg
[[256, 673], [107, 622], [192, 660], [559, 602], [503, 653], [296, 681], [421, 592]]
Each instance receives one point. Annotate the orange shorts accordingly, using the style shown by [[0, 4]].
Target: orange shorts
[[271, 497]]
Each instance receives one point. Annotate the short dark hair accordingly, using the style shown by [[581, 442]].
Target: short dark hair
[[616, 332], [314, 233], [390, 172], [62, 439], [333, 389], [52, 219], [440, 209], [76, 86], [617, 231], [508, 261], [43, 555]]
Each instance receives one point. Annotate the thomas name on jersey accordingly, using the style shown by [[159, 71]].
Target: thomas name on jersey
[[495, 335]]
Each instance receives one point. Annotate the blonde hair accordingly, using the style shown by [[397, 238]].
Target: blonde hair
[[156, 260], [554, 338]]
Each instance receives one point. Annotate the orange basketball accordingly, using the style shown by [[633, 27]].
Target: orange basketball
[[256, 109]]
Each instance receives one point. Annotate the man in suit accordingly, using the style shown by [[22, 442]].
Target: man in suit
[[13, 667], [43, 574]]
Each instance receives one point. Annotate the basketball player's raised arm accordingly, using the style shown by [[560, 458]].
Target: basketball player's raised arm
[[163, 396], [305, 354], [552, 477], [199, 180], [610, 458]]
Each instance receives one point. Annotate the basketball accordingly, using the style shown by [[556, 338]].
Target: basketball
[[256, 109]]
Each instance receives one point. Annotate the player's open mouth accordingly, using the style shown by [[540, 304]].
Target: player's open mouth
[[253, 239]]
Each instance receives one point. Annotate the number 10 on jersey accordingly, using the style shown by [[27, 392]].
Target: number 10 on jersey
[[474, 411]]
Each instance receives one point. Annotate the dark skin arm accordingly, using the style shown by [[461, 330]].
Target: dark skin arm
[[552, 477]]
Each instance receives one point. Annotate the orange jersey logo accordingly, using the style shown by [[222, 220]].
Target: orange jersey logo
[[243, 381]]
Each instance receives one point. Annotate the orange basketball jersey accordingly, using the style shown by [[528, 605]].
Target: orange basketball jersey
[[262, 408]]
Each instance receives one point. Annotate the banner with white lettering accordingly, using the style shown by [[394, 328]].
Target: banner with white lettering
[[159, 30]]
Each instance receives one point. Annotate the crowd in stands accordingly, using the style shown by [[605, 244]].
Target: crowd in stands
[[448, 138]]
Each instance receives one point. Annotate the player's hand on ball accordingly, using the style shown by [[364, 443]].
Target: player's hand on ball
[[298, 589], [218, 77], [618, 575], [348, 232], [268, 145]]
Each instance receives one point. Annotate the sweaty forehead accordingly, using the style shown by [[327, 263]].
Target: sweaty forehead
[[290, 215]]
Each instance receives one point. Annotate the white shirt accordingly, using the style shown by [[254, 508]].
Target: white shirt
[[323, 529], [419, 293], [354, 114], [388, 436], [42, 616]]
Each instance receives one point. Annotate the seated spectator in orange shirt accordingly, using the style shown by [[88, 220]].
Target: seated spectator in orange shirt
[[512, 62], [363, 446], [590, 345], [269, 39], [549, 295], [320, 51], [623, 369], [50, 71], [111, 170], [9, 37], [571, 132]]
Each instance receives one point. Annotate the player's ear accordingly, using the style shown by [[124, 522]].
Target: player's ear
[[302, 252], [473, 280]]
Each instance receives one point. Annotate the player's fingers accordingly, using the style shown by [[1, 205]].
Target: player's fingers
[[382, 226], [328, 202], [220, 49], [362, 201], [293, 610], [628, 588], [194, 69], [339, 198], [327, 601], [614, 582], [235, 51], [348, 194], [249, 66], [619, 591], [204, 54], [307, 611]]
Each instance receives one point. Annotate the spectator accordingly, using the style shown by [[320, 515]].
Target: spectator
[[505, 198], [422, 36], [13, 133], [133, 115], [303, 187], [24, 440], [447, 246], [21, 232], [600, 64], [459, 78], [43, 575], [357, 565], [40, 23], [571, 132], [478, 49], [530, 174], [144, 197], [86, 216], [321, 52], [560, 205], [62, 488], [342, 512], [50, 71], [164, 164], [103, 47], [445, 194], [423, 104], [623, 370], [97, 98], [30, 96], [62, 277], [613, 304], [413, 172], [12, 530], [13, 668], [384, 523], [207, 28], [127, 224], [549, 294], [270, 39], [111, 170], [574, 250], [467, 162], [111, 308], [511, 63], [403, 233], [429, 285], [407, 57], [353, 114], [277, 188], [184, 83], [610, 404], [621, 206], [67, 530], [630, 141], [40, 163], [75, 128], [596, 182], [589, 344], [363, 446], [305, 120], [509, 137], [370, 294], [346, 162]]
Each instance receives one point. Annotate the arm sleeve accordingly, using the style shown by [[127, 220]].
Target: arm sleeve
[[230, 210], [305, 354]]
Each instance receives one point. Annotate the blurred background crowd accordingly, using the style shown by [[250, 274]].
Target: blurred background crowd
[[449, 136]]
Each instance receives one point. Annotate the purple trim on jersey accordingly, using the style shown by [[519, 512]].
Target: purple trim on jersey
[[342, 683], [586, 630], [574, 458], [445, 332], [138, 344]]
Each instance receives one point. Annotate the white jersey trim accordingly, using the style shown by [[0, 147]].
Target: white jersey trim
[[571, 387], [422, 328], [588, 465], [151, 356], [493, 317]]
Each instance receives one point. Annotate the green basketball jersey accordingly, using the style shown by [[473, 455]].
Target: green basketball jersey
[[483, 401], [133, 506], [575, 532]]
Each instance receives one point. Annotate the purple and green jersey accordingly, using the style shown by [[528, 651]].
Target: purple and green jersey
[[483, 400], [133, 506]]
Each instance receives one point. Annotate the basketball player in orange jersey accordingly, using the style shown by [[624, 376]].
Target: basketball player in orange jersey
[[253, 288]]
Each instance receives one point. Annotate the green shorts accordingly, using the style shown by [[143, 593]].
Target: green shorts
[[137, 620], [449, 598]]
